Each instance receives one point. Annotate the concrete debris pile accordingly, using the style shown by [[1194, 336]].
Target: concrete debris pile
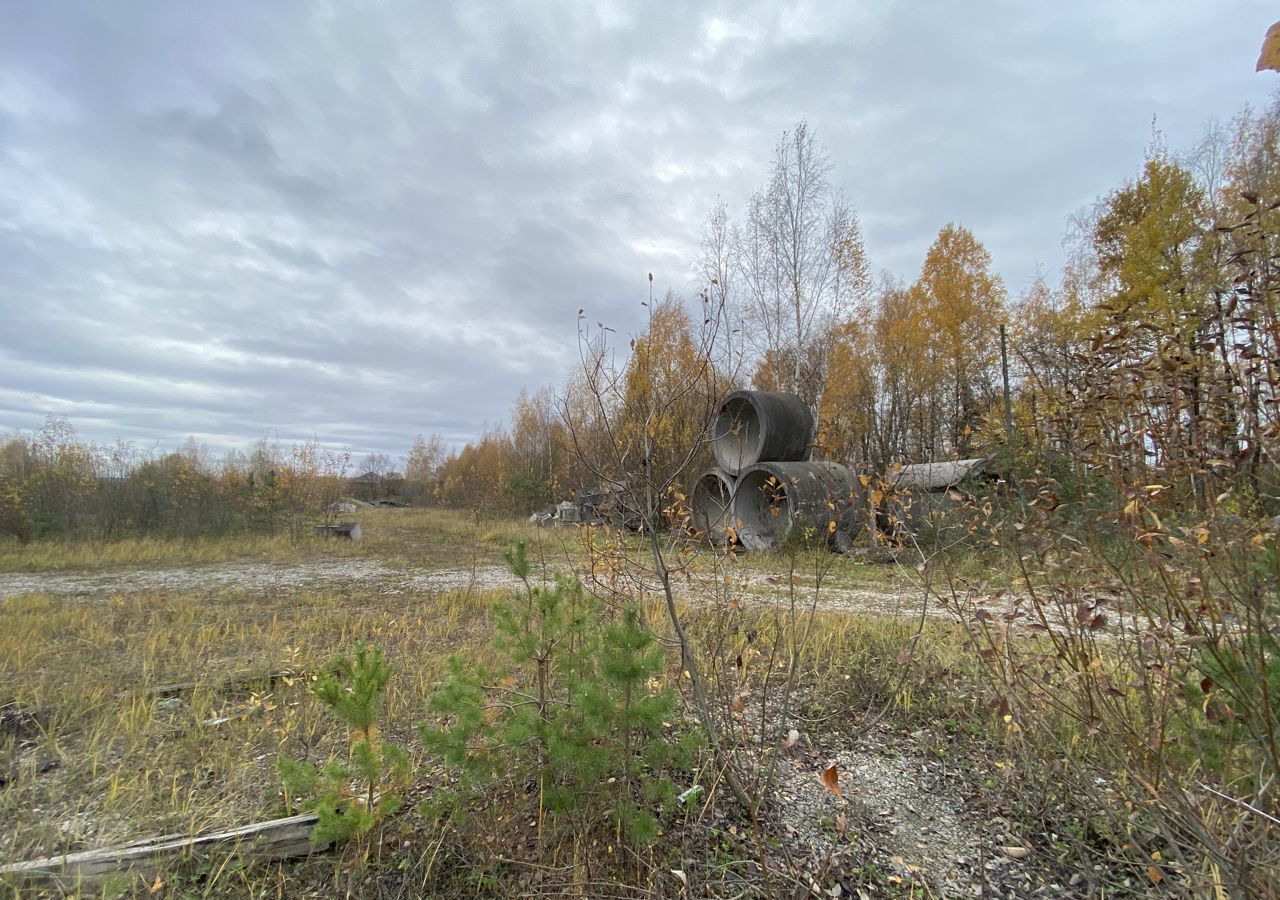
[[764, 483], [610, 505], [347, 531], [917, 494]]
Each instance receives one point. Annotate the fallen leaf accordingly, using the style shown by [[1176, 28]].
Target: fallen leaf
[[1016, 852], [831, 778]]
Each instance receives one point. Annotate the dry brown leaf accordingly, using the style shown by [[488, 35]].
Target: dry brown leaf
[[831, 778], [1269, 58]]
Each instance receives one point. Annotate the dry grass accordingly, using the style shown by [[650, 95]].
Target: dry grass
[[52, 556], [128, 764], [434, 537]]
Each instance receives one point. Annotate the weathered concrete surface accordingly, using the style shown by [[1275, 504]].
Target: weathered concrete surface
[[759, 426]]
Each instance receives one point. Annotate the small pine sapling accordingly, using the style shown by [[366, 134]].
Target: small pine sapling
[[349, 797], [625, 713], [512, 716], [575, 708]]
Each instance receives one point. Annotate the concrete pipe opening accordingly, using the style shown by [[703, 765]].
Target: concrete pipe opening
[[774, 497], [711, 504], [758, 426]]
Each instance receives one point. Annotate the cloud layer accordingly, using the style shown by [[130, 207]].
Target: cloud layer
[[362, 223]]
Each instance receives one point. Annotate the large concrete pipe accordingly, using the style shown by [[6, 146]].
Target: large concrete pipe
[[711, 504], [774, 497], [757, 426]]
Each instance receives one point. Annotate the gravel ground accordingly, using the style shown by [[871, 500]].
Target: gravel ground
[[249, 576], [268, 576], [905, 816]]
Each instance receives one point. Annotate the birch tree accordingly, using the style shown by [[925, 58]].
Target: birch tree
[[792, 270]]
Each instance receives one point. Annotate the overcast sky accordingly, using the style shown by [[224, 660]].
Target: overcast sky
[[361, 222]]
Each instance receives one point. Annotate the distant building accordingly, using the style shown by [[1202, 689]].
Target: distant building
[[371, 486], [367, 486]]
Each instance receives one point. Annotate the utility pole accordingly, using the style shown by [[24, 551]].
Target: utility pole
[[1004, 369]]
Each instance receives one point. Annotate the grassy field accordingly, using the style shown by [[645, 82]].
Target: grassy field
[[423, 536], [131, 713]]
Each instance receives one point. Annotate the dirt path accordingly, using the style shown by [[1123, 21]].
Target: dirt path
[[316, 573], [749, 588], [250, 576]]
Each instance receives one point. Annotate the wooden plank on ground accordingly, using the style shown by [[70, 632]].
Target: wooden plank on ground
[[233, 683], [277, 839]]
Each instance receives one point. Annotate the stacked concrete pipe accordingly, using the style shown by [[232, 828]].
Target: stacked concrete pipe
[[711, 504], [774, 497], [764, 484], [758, 426]]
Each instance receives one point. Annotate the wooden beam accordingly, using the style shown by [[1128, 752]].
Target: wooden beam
[[277, 839], [233, 683]]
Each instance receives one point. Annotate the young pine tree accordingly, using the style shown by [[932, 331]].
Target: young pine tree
[[349, 797], [573, 709]]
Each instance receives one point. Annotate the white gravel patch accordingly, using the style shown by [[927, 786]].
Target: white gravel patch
[[752, 589], [249, 576]]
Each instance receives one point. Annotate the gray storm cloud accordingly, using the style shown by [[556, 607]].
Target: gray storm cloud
[[361, 223]]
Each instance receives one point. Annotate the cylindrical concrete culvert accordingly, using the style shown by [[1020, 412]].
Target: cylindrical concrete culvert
[[759, 426], [774, 497], [711, 504]]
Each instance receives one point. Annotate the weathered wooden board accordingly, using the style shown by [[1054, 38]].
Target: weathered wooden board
[[277, 839], [233, 683]]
